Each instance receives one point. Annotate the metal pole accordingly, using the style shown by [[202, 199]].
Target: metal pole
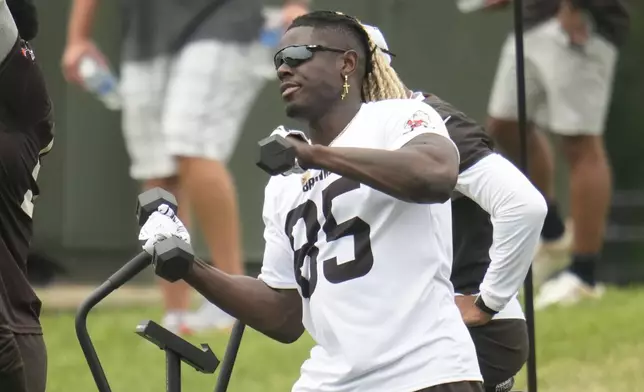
[[229, 358], [125, 273], [523, 164], [173, 371]]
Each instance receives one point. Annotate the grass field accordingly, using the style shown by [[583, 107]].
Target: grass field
[[593, 347]]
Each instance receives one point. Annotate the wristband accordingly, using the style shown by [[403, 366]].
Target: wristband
[[483, 307]]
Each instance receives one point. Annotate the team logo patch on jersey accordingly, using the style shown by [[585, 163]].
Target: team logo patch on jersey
[[308, 181], [27, 52], [417, 120]]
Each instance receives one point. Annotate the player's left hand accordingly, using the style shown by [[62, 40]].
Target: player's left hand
[[472, 315], [162, 224]]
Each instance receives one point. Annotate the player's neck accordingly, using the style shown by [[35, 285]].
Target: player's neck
[[326, 128]]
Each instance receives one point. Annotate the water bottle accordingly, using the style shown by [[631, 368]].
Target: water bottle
[[99, 80]]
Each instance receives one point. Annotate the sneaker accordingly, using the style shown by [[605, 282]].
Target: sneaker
[[208, 317], [566, 289], [552, 256], [173, 321]]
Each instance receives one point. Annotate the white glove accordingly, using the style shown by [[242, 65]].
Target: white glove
[[162, 224], [284, 132]]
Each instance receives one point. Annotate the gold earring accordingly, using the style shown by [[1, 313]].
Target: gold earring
[[345, 87]]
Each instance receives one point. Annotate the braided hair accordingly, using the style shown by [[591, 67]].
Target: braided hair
[[380, 81]]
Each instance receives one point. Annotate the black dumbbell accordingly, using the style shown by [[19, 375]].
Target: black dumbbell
[[172, 259], [276, 155], [172, 256], [150, 200]]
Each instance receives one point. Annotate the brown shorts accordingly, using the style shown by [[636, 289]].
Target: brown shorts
[[502, 349], [463, 386], [34, 357], [23, 363]]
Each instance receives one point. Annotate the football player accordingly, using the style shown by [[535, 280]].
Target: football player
[[358, 235], [497, 216], [26, 134]]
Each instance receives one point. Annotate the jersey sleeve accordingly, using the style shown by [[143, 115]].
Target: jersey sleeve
[[277, 266], [413, 118], [517, 211]]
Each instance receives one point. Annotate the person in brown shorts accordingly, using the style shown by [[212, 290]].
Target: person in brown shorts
[[26, 134]]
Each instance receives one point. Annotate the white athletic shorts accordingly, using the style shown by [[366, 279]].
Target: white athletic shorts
[[191, 105], [568, 90]]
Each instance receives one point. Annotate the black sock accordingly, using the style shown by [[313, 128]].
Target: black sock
[[553, 226], [584, 267]]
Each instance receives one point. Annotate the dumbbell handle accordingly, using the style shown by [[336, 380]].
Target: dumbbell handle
[[120, 277]]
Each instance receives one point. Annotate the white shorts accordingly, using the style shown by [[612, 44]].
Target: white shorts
[[191, 105], [568, 90]]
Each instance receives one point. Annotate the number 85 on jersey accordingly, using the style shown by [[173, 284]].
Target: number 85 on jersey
[[354, 227]]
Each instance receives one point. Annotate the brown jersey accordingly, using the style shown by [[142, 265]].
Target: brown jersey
[[26, 134]]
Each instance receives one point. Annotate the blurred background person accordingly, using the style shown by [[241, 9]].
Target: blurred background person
[[571, 51], [187, 85]]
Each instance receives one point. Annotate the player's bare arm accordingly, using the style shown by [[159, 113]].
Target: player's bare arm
[[275, 313], [423, 171]]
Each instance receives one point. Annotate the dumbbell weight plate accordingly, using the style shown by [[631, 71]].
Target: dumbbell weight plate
[[172, 259], [276, 155], [150, 200]]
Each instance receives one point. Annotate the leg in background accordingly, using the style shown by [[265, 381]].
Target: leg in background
[[176, 296], [208, 101], [579, 89], [590, 192], [211, 191]]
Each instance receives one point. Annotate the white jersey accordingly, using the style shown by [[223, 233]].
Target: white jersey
[[373, 271]]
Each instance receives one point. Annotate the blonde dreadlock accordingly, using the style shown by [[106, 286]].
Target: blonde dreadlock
[[383, 81]]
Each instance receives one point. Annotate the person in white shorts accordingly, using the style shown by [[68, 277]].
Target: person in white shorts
[[571, 50], [188, 83]]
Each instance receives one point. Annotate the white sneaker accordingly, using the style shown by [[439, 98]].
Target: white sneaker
[[552, 256], [566, 289], [208, 317], [173, 321]]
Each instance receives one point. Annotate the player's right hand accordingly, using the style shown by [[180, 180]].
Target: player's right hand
[[162, 224], [285, 133], [74, 52], [298, 135]]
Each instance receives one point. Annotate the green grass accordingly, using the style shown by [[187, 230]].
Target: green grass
[[593, 347]]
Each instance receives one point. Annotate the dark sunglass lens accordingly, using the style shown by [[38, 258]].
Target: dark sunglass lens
[[293, 56]]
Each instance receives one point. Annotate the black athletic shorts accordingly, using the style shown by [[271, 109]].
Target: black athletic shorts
[[23, 363], [463, 386], [502, 349]]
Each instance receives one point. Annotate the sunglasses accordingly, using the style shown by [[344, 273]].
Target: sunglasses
[[296, 55]]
